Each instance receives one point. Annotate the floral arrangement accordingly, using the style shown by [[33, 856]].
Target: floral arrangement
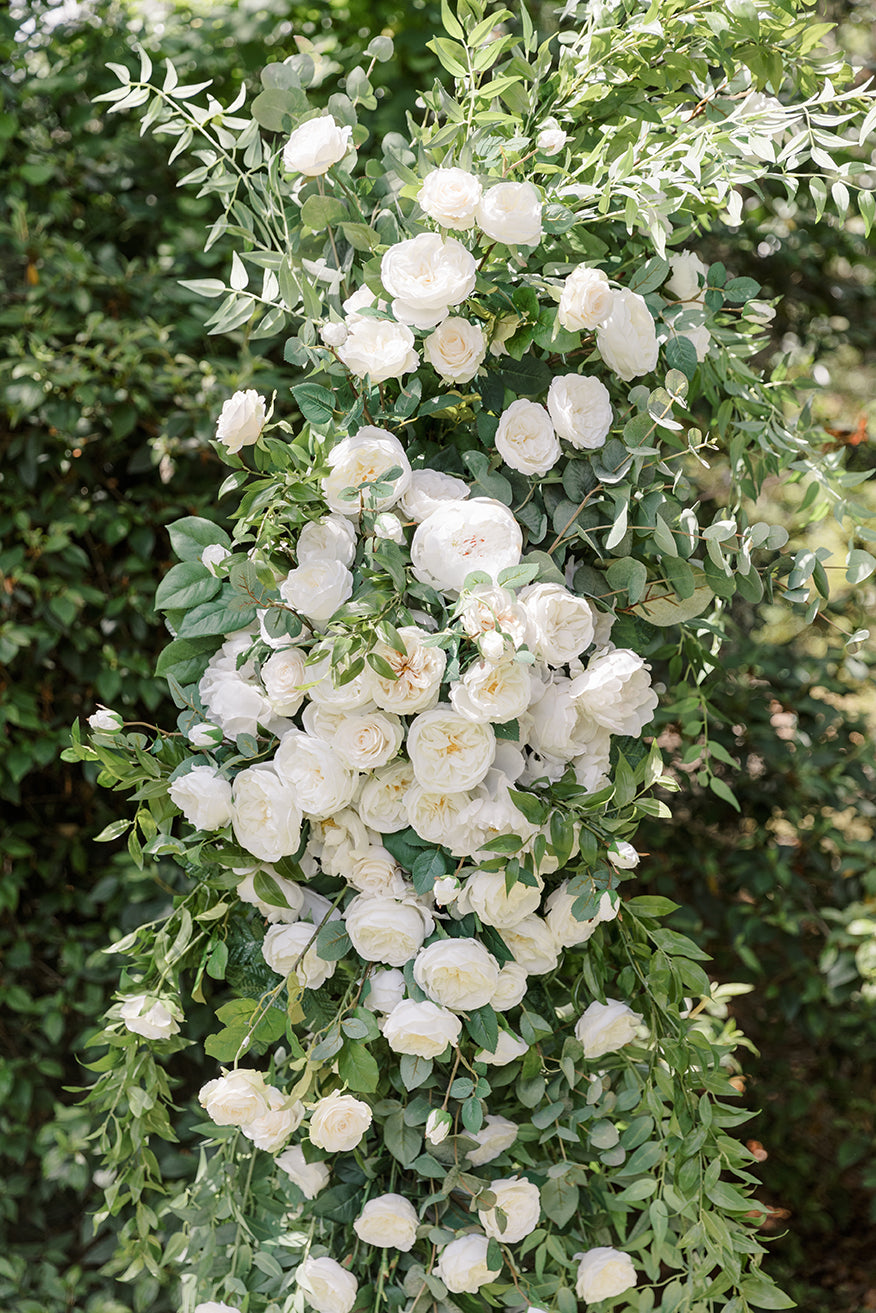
[[457, 1062]]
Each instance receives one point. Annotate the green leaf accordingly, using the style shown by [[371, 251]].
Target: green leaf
[[859, 566], [333, 942], [728, 1197], [402, 1141], [185, 659], [483, 1026], [559, 1200], [762, 1293], [319, 212], [186, 585], [681, 354], [741, 289], [414, 1071], [358, 1068], [278, 109], [428, 867], [316, 404], [528, 377]]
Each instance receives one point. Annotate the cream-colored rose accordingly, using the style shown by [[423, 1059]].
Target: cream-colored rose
[[485, 895], [456, 350], [492, 691], [566, 929], [580, 407], [365, 458], [460, 974], [309, 1177], [586, 300], [525, 438], [313, 148], [684, 281], [377, 873], [422, 1029], [321, 783], [627, 339], [426, 275], [387, 929], [439, 1124], [462, 1265], [435, 816], [317, 589], [333, 334], [449, 754], [606, 1027], [265, 814], [328, 1287], [379, 349], [603, 1273], [282, 675], [241, 420], [339, 841], [508, 1048], [427, 490], [462, 537], [272, 1129], [237, 1097], [386, 989], [615, 691], [338, 1122], [355, 695], [488, 609], [388, 1221], [333, 538], [293, 948], [510, 212], [418, 672], [533, 945], [559, 625], [203, 796], [451, 197], [511, 988], [520, 1201], [382, 801], [151, 1020], [486, 818], [495, 1136], [367, 740]]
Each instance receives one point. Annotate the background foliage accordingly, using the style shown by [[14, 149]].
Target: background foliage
[[110, 389]]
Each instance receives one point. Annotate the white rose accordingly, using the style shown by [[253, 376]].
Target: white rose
[[450, 197], [309, 1177], [449, 754], [520, 1201], [418, 673], [559, 625], [700, 339], [492, 691], [216, 1306], [338, 841], [603, 1273], [351, 696], [435, 816], [381, 804], [282, 675], [265, 814], [460, 974], [456, 350], [388, 1221], [427, 490], [316, 146], [203, 796], [446, 890], [684, 281], [605, 1027], [532, 945], [627, 339], [462, 1265], [387, 525], [485, 895], [237, 1097], [615, 691], [525, 438], [386, 989], [379, 349], [293, 948], [508, 1048], [271, 1131], [317, 589], [318, 778], [580, 407], [241, 420], [586, 300], [231, 697], [333, 334], [322, 722], [291, 891], [328, 1287], [510, 212], [362, 299], [421, 1029], [426, 275], [368, 740], [204, 735], [487, 609], [623, 855], [511, 988], [565, 927], [387, 929], [495, 1136], [552, 138], [366, 458], [152, 1022], [459, 538], [377, 873], [333, 538], [212, 557], [438, 1126], [338, 1122]]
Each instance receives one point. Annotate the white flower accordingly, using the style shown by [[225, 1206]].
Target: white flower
[[700, 339], [525, 438], [520, 1201], [627, 339], [508, 1048], [216, 1306], [386, 989], [586, 300], [580, 408], [366, 458], [555, 729], [492, 691], [603, 1273], [459, 538], [204, 735], [456, 350], [623, 855], [446, 890], [511, 988], [237, 1097], [291, 891], [449, 754], [381, 803], [533, 945], [362, 299], [615, 691], [488, 609], [203, 796], [552, 138], [379, 349], [231, 697], [605, 1027], [328, 1287], [377, 873], [317, 589], [565, 927], [495, 1136], [333, 334], [487, 817], [309, 1177], [450, 197], [106, 720], [462, 1265], [559, 625], [352, 696], [388, 1221], [293, 948], [333, 538], [418, 672], [338, 1122], [152, 1022], [316, 775], [367, 740], [426, 275], [387, 929], [272, 1129], [241, 420], [316, 146], [338, 841], [510, 212], [485, 895], [283, 675], [684, 282], [435, 816], [212, 557], [387, 525], [421, 1029], [265, 814], [460, 974], [427, 490], [438, 1125]]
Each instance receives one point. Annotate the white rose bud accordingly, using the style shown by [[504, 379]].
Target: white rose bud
[[525, 438], [316, 146], [580, 408], [379, 349], [462, 1265], [387, 525], [152, 1021], [388, 1221], [606, 1027], [456, 350], [241, 420], [203, 796], [292, 947], [425, 276], [334, 333], [271, 1131], [427, 490], [510, 212], [552, 138], [495, 1136], [204, 735], [331, 538], [520, 1201], [309, 1177], [508, 1049], [627, 339], [684, 281], [339, 1122], [623, 855], [603, 1273], [586, 300], [446, 890], [559, 625], [212, 557], [451, 197], [328, 1287], [438, 1125], [106, 720], [386, 989], [511, 988], [283, 674]]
